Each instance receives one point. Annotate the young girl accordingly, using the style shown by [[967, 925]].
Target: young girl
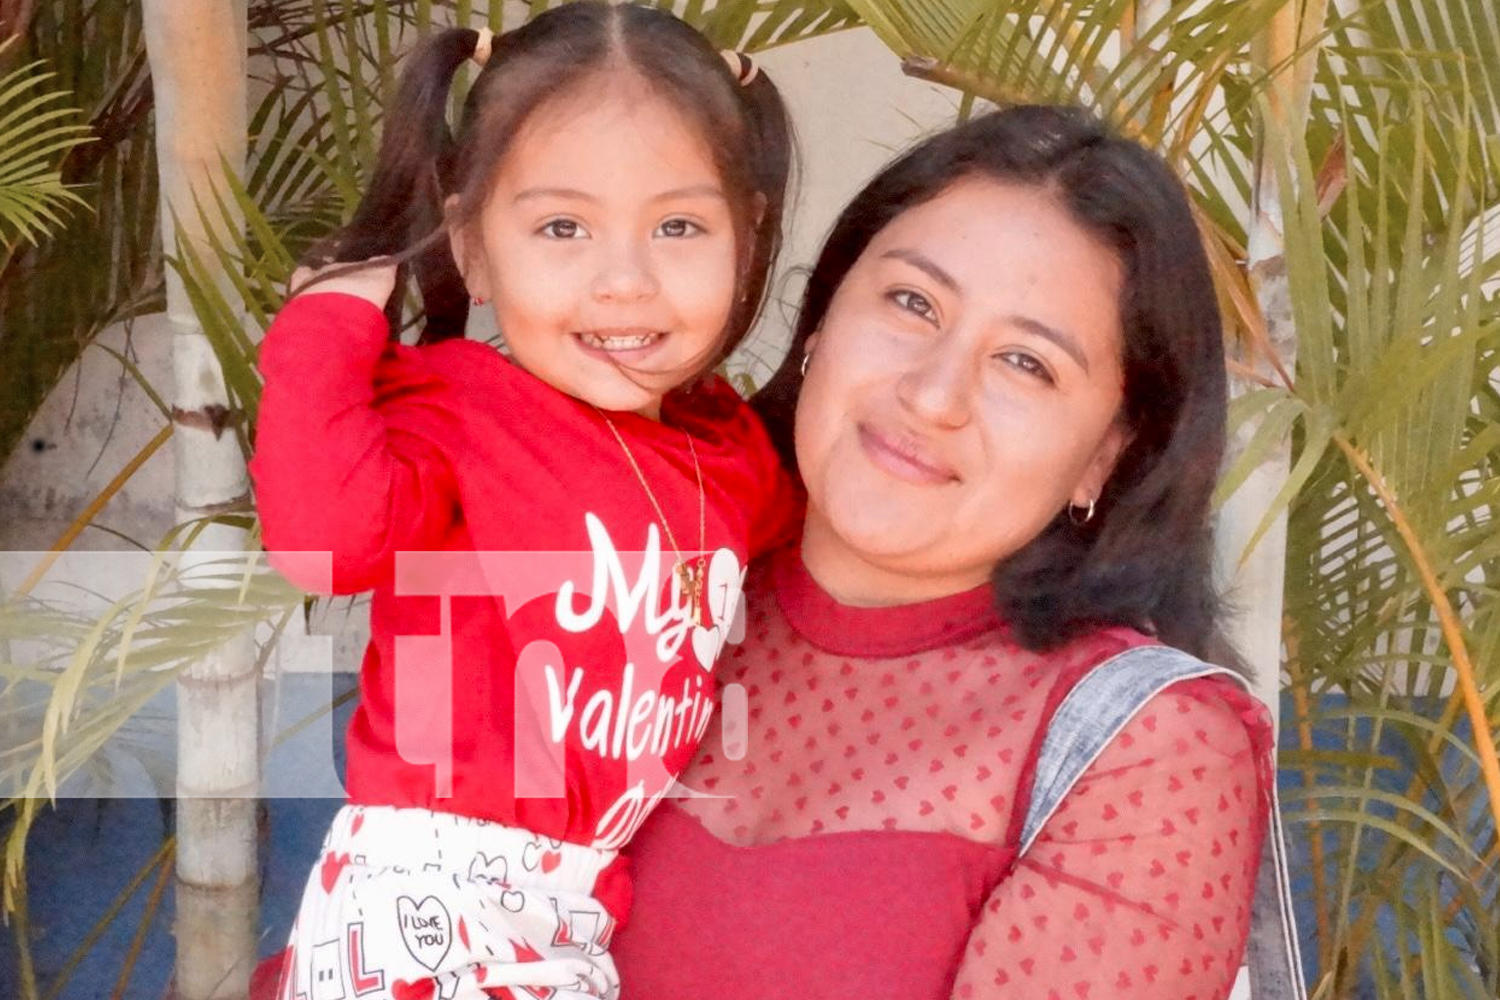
[[555, 540]]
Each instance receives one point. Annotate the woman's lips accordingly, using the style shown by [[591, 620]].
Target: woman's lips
[[904, 459]]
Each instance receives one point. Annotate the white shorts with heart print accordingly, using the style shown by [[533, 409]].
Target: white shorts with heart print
[[409, 903]]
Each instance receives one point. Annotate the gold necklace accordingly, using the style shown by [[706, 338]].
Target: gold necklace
[[690, 576]]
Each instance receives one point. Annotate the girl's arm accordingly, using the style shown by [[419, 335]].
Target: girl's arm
[[1139, 887], [338, 470]]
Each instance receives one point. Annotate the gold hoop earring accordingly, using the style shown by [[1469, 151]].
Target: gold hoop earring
[[1086, 517], [805, 359]]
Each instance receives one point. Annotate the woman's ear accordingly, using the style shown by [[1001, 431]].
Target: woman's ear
[[468, 252], [1102, 465]]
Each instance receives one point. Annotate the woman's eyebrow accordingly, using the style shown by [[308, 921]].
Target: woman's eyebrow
[[1064, 340], [924, 264]]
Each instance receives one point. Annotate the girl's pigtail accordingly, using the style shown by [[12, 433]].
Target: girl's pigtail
[[771, 145], [401, 214]]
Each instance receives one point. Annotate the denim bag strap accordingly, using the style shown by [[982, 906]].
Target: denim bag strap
[[1089, 718]]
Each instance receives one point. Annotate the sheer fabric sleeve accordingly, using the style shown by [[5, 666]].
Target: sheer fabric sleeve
[[348, 458], [1139, 887]]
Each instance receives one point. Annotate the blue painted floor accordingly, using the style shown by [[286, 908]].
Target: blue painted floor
[[85, 853]]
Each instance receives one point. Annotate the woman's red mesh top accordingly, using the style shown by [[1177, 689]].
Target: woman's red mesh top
[[856, 831]]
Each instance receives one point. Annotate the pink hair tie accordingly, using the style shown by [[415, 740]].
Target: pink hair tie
[[483, 46], [741, 65]]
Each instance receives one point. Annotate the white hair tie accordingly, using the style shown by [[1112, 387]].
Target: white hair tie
[[483, 46], [742, 66]]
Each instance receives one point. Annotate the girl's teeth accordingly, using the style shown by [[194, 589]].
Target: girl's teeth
[[618, 343]]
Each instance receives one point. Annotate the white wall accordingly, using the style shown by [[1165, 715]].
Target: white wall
[[849, 124]]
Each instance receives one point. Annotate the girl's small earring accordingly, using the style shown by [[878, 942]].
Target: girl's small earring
[[1085, 517], [479, 300], [805, 359]]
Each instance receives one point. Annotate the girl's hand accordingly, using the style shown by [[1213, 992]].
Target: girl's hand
[[374, 282]]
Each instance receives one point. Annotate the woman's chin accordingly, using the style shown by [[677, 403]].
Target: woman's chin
[[882, 535]]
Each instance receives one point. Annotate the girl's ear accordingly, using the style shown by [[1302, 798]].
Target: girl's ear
[[468, 252]]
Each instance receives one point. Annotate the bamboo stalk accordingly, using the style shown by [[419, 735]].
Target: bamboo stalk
[[1262, 572], [197, 54], [1258, 634]]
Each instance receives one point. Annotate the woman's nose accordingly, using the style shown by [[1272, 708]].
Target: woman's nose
[[939, 386], [625, 275]]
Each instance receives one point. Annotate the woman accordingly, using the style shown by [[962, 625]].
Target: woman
[[1009, 397]]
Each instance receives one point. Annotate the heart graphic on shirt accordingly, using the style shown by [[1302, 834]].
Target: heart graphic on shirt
[[513, 900], [726, 581], [706, 645], [332, 867], [426, 929], [724, 588], [550, 860], [484, 868], [422, 989], [359, 821]]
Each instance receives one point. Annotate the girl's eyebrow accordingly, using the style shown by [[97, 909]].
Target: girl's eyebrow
[[573, 194], [693, 191]]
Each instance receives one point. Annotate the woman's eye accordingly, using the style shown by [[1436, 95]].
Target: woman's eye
[[914, 302], [1028, 364], [562, 229], [676, 229]]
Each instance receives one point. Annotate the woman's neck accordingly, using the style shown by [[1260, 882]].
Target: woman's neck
[[859, 580]]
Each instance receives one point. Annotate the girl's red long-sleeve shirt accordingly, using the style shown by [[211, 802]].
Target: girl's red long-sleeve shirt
[[857, 835], [501, 682]]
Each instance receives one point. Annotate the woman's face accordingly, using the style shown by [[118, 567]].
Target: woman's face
[[964, 388]]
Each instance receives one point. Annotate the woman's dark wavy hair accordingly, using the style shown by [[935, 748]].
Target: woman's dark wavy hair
[[1145, 560], [421, 164]]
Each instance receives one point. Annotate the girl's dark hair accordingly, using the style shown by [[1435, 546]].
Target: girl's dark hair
[[1145, 559], [421, 164]]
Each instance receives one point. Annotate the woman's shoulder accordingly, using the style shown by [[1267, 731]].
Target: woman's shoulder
[[1203, 707], [1172, 711]]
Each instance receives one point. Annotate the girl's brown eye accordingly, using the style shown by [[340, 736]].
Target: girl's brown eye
[[562, 229], [678, 228]]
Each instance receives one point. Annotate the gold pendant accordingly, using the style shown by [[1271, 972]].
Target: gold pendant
[[689, 583]]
